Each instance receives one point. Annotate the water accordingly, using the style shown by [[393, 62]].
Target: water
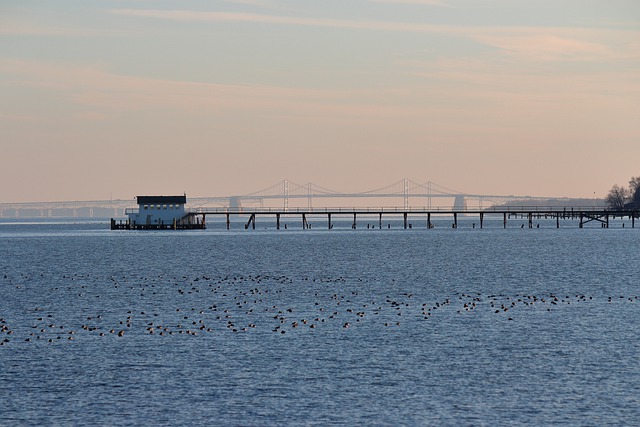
[[409, 326]]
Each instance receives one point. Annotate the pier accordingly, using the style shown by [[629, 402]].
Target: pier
[[528, 214]]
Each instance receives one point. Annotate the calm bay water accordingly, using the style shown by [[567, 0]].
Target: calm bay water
[[316, 327]]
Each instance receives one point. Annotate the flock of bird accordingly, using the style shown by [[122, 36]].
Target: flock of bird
[[85, 307]]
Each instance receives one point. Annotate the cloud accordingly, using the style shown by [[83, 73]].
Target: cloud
[[196, 16], [24, 29], [17, 28], [478, 92], [95, 92], [527, 43], [416, 2], [258, 3], [546, 47], [17, 118]]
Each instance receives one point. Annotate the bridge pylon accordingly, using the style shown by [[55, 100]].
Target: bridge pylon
[[459, 203], [405, 193], [285, 184]]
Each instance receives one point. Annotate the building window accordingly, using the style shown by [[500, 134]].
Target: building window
[[146, 207], [164, 206]]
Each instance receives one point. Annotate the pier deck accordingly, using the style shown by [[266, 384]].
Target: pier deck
[[584, 215]]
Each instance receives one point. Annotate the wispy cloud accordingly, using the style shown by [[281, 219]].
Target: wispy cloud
[[528, 43], [17, 28], [414, 2], [17, 117], [196, 16], [95, 91], [258, 3], [479, 92], [548, 47]]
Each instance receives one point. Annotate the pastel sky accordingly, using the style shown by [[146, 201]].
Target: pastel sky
[[116, 98]]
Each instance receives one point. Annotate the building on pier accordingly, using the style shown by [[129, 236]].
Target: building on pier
[[159, 213]]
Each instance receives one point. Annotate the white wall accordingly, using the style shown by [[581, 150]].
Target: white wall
[[155, 214]]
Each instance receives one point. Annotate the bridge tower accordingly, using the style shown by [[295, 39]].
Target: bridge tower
[[460, 203], [286, 195], [235, 203], [405, 193]]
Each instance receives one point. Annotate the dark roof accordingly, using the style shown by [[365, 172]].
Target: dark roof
[[154, 200]]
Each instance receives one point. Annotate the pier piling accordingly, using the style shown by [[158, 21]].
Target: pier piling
[[251, 222]]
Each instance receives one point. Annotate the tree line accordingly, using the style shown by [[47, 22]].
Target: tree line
[[621, 197]]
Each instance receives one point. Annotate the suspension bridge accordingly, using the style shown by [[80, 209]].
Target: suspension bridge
[[404, 194]]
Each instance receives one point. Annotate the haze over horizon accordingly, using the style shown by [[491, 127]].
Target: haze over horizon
[[118, 98]]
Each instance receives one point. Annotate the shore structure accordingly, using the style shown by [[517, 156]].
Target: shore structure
[[160, 213]]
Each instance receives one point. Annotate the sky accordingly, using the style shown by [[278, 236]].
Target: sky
[[117, 98]]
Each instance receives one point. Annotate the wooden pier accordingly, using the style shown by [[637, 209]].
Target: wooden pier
[[529, 214]]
